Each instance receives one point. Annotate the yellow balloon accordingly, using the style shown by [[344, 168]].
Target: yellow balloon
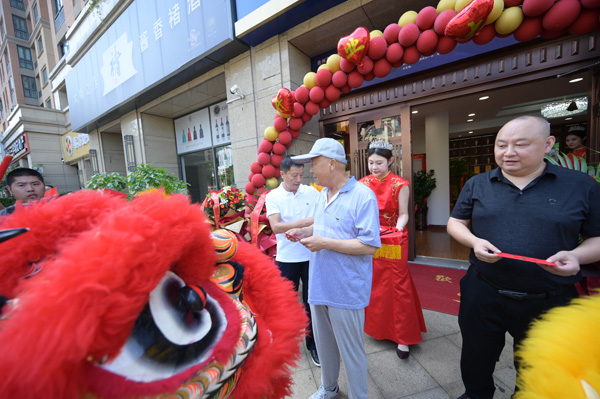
[[496, 12], [309, 80], [409, 17], [322, 66], [333, 63], [285, 116], [460, 4], [444, 5], [271, 133], [509, 20], [376, 33], [272, 182]]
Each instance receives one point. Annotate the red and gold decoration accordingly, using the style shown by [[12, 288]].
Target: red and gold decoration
[[469, 20], [354, 47]]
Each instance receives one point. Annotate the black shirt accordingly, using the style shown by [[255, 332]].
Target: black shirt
[[544, 218]]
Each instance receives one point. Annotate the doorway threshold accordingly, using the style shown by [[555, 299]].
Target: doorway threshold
[[442, 262]]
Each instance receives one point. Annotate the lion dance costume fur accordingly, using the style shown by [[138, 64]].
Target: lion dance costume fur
[[112, 299]]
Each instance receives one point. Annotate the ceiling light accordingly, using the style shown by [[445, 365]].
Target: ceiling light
[[471, 115], [568, 119], [415, 112], [469, 120], [484, 98], [471, 132], [565, 107], [575, 80]]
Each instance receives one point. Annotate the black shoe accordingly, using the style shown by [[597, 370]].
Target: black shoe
[[402, 354], [315, 357]]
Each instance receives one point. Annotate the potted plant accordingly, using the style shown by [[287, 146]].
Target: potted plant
[[423, 184]]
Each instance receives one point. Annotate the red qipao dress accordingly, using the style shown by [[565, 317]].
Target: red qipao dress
[[394, 312]]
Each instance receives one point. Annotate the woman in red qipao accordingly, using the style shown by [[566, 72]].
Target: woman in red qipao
[[394, 312], [574, 140]]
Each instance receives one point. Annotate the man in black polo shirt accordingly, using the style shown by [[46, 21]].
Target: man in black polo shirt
[[525, 207]]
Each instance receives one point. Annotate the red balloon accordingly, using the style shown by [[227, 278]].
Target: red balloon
[[316, 94], [562, 14], [590, 4], [530, 28], [258, 180], [311, 109], [382, 68], [269, 171], [263, 158], [442, 20], [394, 53], [277, 172], [485, 35], [366, 66], [323, 77], [585, 23], [298, 110], [552, 34], [249, 188], [276, 160], [370, 76], [512, 3], [355, 79], [426, 17], [325, 103], [534, 8], [306, 117], [355, 46], [390, 34], [469, 20], [301, 94], [285, 138], [252, 174], [346, 89], [278, 149], [296, 123], [280, 124], [332, 93], [346, 65], [411, 55], [295, 133], [339, 79], [255, 167], [283, 101], [397, 64], [377, 48], [265, 146], [408, 35], [427, 42]]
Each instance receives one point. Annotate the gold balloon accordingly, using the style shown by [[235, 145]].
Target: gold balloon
[[322, 66], [272, 182], [409, 17], [271, 133], [309, 80], [444, 5], [333, 63], [460, 4], [496, 12], [285, 116], [376, 33], [509, 20]]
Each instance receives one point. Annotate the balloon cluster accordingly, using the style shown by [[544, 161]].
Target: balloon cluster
[[365, 55]]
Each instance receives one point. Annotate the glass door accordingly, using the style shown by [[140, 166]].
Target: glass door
[[388, 129]]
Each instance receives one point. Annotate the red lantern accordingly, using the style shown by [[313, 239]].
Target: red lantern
[[470, 20], [355, 46], [283, 101]]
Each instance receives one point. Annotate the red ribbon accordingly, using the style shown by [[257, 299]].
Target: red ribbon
[[254, 225], [216, 207]]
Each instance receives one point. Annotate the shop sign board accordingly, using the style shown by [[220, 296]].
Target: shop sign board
[[18, 148], [75, 145]]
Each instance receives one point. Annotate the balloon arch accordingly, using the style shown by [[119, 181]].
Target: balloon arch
[[364, 55]]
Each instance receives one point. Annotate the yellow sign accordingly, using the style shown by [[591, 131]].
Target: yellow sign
[[75, 145]]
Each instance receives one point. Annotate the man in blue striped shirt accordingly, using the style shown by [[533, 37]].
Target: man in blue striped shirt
[[343, 240]]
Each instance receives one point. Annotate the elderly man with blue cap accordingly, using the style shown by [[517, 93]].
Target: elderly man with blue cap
[[343, 240]]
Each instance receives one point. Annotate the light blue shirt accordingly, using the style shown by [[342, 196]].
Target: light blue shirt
[[337, 279]]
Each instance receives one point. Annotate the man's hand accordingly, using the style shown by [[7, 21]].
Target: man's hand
[[485, 251], [567, 264], [314, 243], [294, 235]]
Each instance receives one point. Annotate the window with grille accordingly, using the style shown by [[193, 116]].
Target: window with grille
[[18, 4], [29, 87], [25, 60], [20, 28]]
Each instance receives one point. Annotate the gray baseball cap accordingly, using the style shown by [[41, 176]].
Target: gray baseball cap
[[325, 147]]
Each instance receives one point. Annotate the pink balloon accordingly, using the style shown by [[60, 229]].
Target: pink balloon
[[339, 79], [258, 180], [296, 123], [394, 53], [382, 68], [390, 34], [255, 167], [298, 110], [346, 89], [285, 138], [346, 65], [411, 55], [280, 123], [323, 77], [408, 35], [316, 94], [249, 188], [366, 66], [585, 22], [446, 45], [325, 103], [377, 48], [485, 35], [355, 79], [263, 158], [276, 161], [426, 17], [442, 20], [370, 76], [278, 149], [301, 94], [310, 108], [265, 146], [306, 117], [295, 133], [427, 42], [269, 171], [332, 93]]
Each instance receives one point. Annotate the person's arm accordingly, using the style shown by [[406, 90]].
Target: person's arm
[[568, 262], [279, 227], [300, 233], [403, 207], [351, 247], [483, 249]]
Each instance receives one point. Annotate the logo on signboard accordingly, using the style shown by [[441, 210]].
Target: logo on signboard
[[69, 145], [117, 63]]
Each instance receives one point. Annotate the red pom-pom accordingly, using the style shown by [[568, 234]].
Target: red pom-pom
[[265, 146], [427, 42], [366, 66], [269, 171], [258, 180], [339, 79], [298, 110], [295, 133], [316, 94], [355, 79], [485, 35], [439, 26], [332, 93], [446, 45], [346, 89], [394, 53], [278, 149], [301, 94], [533, 8], [255, 167], [390, 34], [411, 55], [530, 28], [280, 123], [276, 161], [585, 22], [346, 65], [306, 117], [426, 17], [249, 188], [323, 77], [377, 47], [263, 158], [382, 68], [311, 109], [408, 35], [562, 14], [296, 123], [285, 138]]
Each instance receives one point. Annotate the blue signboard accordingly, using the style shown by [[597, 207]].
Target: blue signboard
[[151, 40]]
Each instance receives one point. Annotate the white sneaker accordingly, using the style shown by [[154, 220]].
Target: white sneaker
[[322, 393]]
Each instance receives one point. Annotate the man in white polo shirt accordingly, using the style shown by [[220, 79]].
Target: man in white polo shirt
[[289, 206]]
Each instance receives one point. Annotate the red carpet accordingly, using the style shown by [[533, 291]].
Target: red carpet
[[438, 287]]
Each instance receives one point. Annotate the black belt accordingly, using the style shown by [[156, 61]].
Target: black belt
[[518, 295]]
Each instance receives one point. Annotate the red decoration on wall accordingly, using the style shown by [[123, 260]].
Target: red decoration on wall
[[355, 46]]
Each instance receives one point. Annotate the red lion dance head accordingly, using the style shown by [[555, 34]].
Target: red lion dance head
[[116, 299]]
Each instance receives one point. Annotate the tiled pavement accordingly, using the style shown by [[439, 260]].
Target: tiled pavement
[[431, 372]]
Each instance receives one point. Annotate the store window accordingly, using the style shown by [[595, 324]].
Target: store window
[[20, 28], [29, 87], [25, 60]]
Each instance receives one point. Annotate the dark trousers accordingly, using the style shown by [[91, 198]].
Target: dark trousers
[[294, 272], [484, 318]]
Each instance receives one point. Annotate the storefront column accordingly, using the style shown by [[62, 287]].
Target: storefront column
[[437, 153], [131, 125]]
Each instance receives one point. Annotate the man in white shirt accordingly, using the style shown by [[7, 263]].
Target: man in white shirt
[[289, 206]]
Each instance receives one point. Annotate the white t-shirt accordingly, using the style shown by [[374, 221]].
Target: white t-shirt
[[291, 207]]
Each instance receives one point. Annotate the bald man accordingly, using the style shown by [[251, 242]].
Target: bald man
[[524, 207]]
